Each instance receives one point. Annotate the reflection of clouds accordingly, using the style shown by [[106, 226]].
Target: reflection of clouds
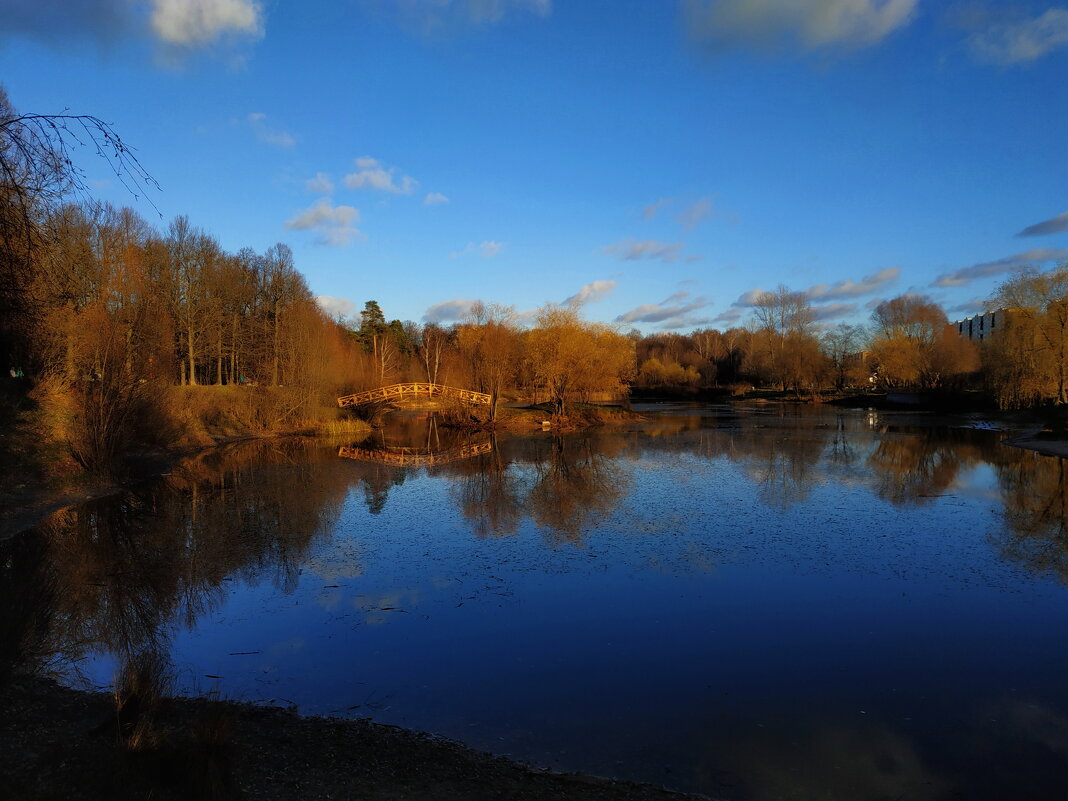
[[1039, 724], [378, 608], [845, 762], [287, 646], [337, 566]]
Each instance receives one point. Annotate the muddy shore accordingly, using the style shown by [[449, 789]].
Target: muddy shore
[[57, 743]]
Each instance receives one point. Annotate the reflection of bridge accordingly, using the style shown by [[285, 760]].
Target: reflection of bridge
[[409, 458], [398, 391]]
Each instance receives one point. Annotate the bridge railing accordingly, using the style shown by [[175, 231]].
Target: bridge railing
[[415, 459], [397, 391]]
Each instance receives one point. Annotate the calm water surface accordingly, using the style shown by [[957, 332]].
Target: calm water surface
[[755, 602]]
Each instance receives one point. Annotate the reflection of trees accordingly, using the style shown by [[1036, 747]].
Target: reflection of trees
[[129, 569], [27, 596], [489, 494], [377, 481], [785, 468], [1035, 497], [565, 484], [916, 466], [576, 484]]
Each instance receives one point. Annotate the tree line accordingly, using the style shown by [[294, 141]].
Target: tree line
[[908, 343]]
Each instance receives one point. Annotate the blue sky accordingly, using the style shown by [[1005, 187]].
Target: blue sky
[[657, 160]]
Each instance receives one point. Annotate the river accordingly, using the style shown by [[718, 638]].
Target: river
[[756, 602]]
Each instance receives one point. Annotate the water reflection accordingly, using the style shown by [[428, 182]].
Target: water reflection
[[708, 560], [121, 575], [1036, 513]]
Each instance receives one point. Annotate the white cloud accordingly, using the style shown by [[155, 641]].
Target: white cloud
[[320, 184], [1054, 225], [634, 250], [434, 199], [257, 120], [822, 293], [671, 312], [591, 293], [1017, 41], [370, 174], [448, 310], [487, 249], [176, 24], [335, 308], [808, 24], [690, 216], [335, 224], [965, 275], [194, 23]]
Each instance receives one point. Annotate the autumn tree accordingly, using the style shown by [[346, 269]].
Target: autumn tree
[[841, 344], [488, 339], [1029, 356], [783, 347], [914, 344], [571, 358], [37, 173]]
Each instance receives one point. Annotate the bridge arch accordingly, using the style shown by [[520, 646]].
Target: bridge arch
[[398, 391]]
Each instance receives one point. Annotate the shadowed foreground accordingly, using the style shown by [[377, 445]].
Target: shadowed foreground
[[58, 743]]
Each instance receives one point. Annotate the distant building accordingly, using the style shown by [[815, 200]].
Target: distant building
[[983, 326]]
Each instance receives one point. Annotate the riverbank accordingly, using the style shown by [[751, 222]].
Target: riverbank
[[61, 743], [39, 476], [523, 419]]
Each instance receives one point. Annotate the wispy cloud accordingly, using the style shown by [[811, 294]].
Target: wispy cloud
[[1054, 225], [695, 213], [834, 311], [336, 225], [320, 184], [335, 308], [487, 249], [966, 275], [672, 312], [371, 174], [434, 199], [448, 310], [1021, 40], [431, 17], [591, 293], [822, 293], [257, 121], [650, 211], [730, 317], [795, 24], [635, 250], [974, 306]]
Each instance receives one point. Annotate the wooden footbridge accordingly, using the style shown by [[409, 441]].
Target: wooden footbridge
[[399, 391], [409, 458]]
